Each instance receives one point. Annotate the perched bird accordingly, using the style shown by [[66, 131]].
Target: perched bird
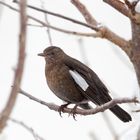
[[74, 82]]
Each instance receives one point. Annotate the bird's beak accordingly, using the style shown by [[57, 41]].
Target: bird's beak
[[41, 54]]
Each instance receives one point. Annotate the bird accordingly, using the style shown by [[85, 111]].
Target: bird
[[75, 83]]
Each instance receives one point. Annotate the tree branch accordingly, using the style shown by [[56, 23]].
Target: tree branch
[[62, 16], [120, 7], [83, 34], [19, 71], [98, 34], [102, 32], [88, 17], [138, 110], [131, 6], [105, 32], [31, 130], [101, 108], [47, 21]]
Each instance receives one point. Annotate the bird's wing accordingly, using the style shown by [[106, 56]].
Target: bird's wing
[[89, 83], [81, 82]]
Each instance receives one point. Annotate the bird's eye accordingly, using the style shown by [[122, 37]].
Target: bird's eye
[[52, 53]]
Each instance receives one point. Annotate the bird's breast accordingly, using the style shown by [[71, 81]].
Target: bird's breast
[[61, 83]]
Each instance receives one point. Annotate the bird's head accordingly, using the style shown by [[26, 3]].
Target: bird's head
[[52, 53]]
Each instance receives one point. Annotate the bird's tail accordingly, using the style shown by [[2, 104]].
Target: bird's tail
[[121, 114]]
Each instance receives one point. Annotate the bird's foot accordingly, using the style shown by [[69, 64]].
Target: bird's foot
[[73, 112], [61, 108]]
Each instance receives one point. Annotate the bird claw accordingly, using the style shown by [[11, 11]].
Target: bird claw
[[73, 110], [61, 108]]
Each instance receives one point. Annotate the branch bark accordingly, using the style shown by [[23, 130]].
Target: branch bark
[[101, 108], [136, 49], [131, 6], [125, 9], [88, 17], [19, 71], [120, 7]]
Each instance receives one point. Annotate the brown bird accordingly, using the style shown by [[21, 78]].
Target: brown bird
[[74, 82]]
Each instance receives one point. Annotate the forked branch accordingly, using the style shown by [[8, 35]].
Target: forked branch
[[105, 32]]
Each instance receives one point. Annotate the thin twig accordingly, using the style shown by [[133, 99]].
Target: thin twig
[[63, 17], [83, 34], [136, 110], [43, 24], [47, 21], [101, 108], [20, 66], [131, 6], [128, 3], [31, 130], [82, 8]]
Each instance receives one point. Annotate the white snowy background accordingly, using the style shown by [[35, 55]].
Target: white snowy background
[[107, 60]]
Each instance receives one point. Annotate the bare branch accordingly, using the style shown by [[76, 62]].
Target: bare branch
[[127, 9], [88, 17], [105, 32], [47, 21], [137, 110], [64, 30], [63, 17], [131, 6], [67, 31], [128, 3], [102, 32], [119, 41], [43, 24], [120, 7], [19, 71], [82, 111], [31, 130]]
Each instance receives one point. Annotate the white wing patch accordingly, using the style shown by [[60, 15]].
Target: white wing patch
[[79, 79]]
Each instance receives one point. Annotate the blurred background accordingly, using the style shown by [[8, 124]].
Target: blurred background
[[107, 60]]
